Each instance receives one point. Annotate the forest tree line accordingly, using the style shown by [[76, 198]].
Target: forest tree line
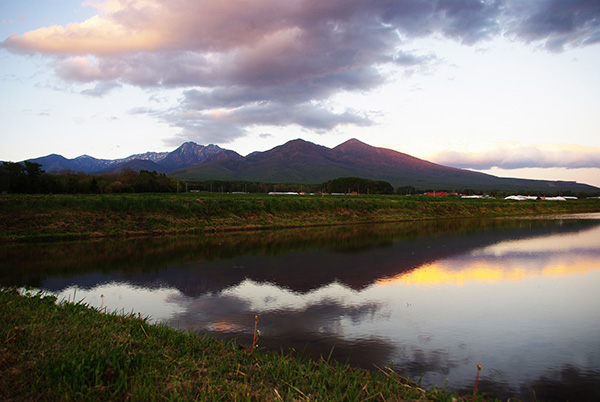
[[28, 177], [357, 185]]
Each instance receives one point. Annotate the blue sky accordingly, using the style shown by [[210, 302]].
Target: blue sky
[[508, 87]]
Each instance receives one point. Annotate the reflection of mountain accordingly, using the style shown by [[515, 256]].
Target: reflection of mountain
[[317, 257]]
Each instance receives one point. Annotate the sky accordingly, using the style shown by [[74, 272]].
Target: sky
[[506, 87]]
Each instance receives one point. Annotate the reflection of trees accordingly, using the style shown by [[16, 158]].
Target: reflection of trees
[[315, 331]]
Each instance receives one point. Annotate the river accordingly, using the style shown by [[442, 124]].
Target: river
[[520, 297]]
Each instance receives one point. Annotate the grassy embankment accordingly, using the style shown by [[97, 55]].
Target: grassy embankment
[[81, 216], [65, 351]]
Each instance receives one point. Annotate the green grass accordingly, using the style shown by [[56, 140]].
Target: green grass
[[82, 216], [68, 351]]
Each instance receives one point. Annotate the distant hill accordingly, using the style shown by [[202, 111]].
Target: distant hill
[[58, 163], [186, 155], [299, 161]]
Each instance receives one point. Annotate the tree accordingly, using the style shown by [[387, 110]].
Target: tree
[[406, 190], [358, 185], [33, 172], [11, 176], [20, 178]]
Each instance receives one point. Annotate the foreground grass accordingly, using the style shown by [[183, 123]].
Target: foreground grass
[[81, 216], [64, 351]]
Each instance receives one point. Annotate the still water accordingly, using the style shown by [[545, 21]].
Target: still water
[[433, 299]]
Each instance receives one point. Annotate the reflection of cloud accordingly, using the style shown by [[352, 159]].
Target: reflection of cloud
[[483, 270], [321, 310], [514, 260], [269, 297], [315, 323], [309, 300], [156, 303]]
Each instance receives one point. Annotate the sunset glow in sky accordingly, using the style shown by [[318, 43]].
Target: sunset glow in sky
[[506, 87]]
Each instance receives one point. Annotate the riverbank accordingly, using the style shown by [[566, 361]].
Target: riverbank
[[39, 217], [65, 351]]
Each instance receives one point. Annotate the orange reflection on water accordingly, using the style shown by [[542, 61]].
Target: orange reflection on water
[[480, 271], [224, 326]]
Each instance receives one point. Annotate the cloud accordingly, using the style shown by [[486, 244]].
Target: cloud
[[306, 115], [225, 125], [101, 89], [204, 130], [255, 57], [556, 23], [515, 156]]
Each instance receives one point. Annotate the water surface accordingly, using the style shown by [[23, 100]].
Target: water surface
[[433, 299]]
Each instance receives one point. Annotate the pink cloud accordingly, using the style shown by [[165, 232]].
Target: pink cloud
[[515, 156], [256, 55], [123, 26], [257, 42]]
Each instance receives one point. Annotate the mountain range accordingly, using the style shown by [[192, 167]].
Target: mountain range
[[303, 162], [187, 154]]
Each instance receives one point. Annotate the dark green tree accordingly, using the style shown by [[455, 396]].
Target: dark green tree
[[21, 178], [358, 185], [406, 190]]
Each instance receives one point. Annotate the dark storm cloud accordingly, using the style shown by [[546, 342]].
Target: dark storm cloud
[[257, 56]]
